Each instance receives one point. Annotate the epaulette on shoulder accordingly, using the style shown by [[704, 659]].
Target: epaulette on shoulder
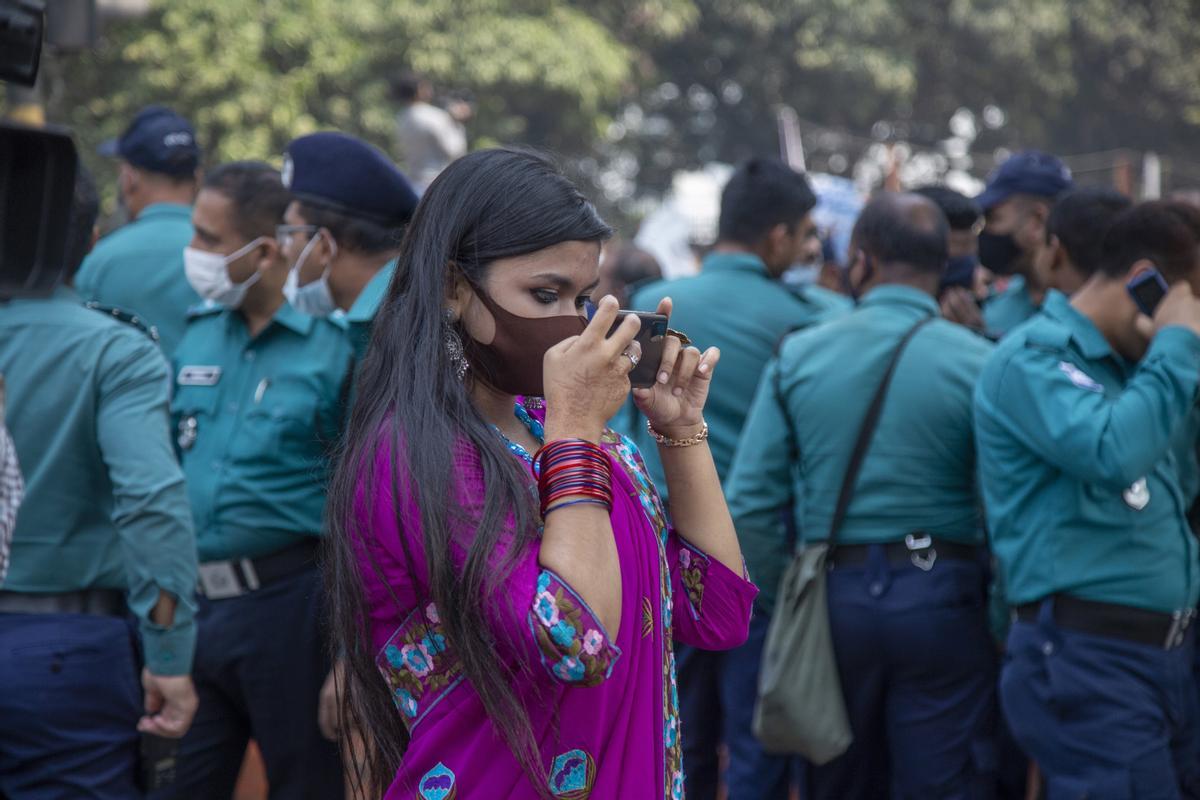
[[127, 317], [1047, 336]]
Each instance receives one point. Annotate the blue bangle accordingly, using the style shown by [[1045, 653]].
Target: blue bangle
[[587, 501]]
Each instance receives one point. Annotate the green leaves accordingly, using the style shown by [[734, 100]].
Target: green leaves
[[652, 84]]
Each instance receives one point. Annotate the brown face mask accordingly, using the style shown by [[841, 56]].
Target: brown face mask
[[513, 361]]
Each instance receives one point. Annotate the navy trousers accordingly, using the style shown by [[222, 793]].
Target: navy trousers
[[1102, 717], [70, 699], [918, 670], [716, 696], [260, 664]]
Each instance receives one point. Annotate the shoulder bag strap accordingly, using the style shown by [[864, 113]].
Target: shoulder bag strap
[[865, 433]]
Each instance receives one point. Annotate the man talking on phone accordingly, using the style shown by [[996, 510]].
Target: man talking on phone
[[1075, 418]]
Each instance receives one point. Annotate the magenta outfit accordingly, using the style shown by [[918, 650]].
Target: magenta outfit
[[605, 713]]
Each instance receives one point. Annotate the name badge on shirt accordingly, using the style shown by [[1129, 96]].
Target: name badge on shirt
[[199, 376]]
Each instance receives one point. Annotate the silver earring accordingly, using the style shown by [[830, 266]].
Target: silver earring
[[454, 347]]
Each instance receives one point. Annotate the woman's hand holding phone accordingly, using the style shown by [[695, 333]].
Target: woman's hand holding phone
[[674, 405]]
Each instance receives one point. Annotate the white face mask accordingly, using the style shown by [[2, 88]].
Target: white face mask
[[208, 273], [314, 299]]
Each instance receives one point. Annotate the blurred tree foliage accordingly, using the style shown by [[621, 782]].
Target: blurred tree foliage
[[638, 88], [1070, 76], [253, 75]]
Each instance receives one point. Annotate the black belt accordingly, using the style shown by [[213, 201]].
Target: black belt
[[220, 580], [918, 549], [99, 602], [1136, 625]]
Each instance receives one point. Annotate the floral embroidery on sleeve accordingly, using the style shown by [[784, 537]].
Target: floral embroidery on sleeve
[[573, 645], [418, 665], [693, 566]]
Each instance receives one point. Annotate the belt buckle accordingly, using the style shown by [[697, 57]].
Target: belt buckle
[[219, 581], [1180, 621], [920, 551]]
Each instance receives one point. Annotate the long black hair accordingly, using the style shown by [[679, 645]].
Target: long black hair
[[489, 205]]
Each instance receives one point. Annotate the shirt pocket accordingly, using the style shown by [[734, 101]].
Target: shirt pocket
[[285, 427]]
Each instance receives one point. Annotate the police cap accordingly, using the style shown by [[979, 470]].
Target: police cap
[[347, 175], [158, 140], [1028, 172]]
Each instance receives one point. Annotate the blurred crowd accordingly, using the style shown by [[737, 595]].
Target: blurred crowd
[[980, 426]]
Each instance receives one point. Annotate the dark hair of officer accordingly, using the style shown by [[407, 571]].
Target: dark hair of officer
[[1166, 232], [962, 212], [903, 232], [85, 207], [489, 205], [257, 197], [351, 232], [1080, 219], [763, 193]]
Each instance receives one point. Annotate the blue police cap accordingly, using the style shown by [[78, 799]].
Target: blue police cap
[[348, 175], [158, 140], [1028, 172]]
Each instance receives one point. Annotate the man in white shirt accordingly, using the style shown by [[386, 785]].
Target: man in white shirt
[[428, 138]]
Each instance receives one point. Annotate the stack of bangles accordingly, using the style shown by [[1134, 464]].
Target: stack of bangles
[[573, 472]]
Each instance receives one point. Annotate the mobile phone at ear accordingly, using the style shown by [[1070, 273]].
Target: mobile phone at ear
[[651, 336], [1147, 290]]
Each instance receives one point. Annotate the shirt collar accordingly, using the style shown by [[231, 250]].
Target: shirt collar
[[285, 315], [166, 210], [746, 262], [1091, 341], [293, 319], [371, 297], [893, 294]]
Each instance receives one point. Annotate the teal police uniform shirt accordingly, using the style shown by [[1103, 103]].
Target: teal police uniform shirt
[[1005, 310], [105, 504], [362, 313], [255, 420], [733, 304], [919, 472], [1077, 468], [139, 268]]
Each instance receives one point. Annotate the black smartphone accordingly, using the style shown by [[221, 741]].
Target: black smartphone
[[651, 336], [1147, 290], [158, 756]]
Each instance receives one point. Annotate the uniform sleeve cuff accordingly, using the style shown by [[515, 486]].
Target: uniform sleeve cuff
[[169, 651]]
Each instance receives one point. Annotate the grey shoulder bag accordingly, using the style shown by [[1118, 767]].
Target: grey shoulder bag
[[801, 708]]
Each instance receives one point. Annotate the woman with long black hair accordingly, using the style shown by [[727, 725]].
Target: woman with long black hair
[[505, 581]]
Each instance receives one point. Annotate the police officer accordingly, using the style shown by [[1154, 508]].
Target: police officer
[[1075, 417], [1075, 233], [259, 401], [104, 529], [344, 226], [1016, 203], [737, 303], [139, 268], [907, 587]]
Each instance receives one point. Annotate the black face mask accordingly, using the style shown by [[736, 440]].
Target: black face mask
[[998, 252]]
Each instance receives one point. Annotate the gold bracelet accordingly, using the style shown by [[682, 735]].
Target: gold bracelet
[[665, 441]]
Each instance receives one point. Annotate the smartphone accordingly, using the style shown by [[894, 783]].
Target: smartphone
[[158, 755], [1147, 290], [651, 336]]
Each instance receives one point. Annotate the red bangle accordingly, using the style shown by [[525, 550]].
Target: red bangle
[[569, 468]]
